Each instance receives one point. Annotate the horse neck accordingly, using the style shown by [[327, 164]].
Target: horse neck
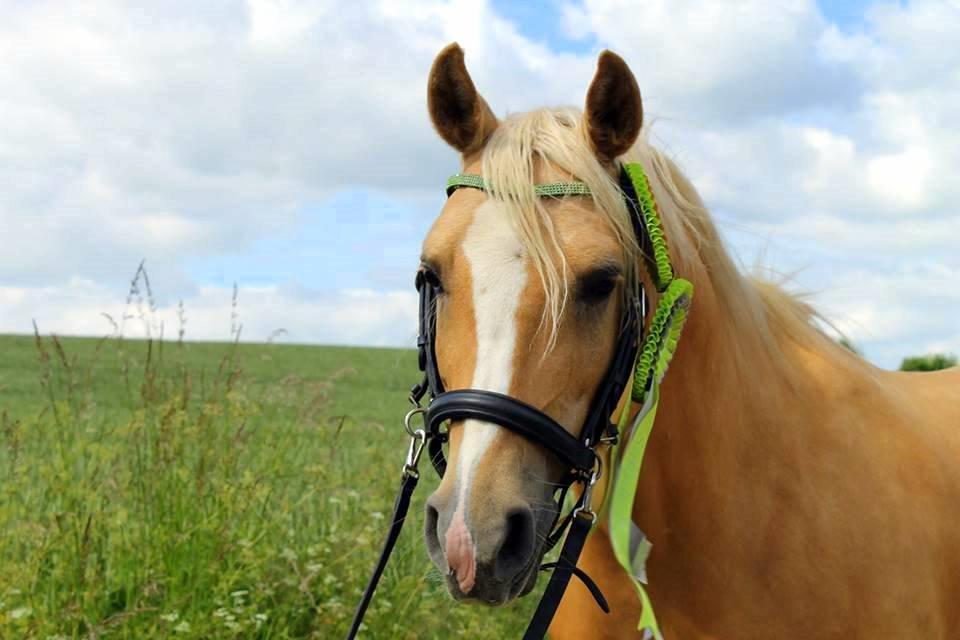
[[721, 407]]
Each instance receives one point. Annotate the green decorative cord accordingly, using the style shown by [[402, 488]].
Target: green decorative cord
[[546, 190], [661, 340], [630, 546], [651, 221]]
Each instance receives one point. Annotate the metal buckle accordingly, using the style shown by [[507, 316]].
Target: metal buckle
[[418, 441], [586, 507], [610, 440]]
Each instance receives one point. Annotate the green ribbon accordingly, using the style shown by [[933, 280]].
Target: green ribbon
[[630, 545], [620, 516]]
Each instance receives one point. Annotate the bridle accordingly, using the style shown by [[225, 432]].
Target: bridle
[[631, 359]]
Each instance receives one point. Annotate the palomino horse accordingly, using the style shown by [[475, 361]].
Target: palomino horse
[[790, 489]]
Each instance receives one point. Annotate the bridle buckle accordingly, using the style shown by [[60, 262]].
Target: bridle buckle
[[418, 441], [585, 508]]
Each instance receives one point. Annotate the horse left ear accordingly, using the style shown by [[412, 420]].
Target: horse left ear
[[614, 111]]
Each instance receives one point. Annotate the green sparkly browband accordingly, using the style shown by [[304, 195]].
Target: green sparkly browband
[[658, 263], [547, 190]]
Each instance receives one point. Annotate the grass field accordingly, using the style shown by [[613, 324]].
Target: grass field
[[155, 490]]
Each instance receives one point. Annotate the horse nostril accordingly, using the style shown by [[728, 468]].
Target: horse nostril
[[431, 518], [518, 544]]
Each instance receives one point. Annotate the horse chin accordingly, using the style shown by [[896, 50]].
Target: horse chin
[[530, 582], [491, 592]]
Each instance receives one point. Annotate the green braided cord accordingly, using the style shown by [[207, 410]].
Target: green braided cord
[[651, 220], [629, 545], [662, 337], [547, 190]]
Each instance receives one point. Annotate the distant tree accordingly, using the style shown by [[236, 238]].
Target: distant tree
[[933, 362]]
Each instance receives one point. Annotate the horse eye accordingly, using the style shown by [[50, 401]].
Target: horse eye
[[432, 278], [595, 287]]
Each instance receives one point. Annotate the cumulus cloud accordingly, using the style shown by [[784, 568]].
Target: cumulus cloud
[[833, 150], [194, 131], [714, 62]]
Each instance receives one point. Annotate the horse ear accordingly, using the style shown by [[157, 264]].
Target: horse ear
[[459, 114], [614, 111]]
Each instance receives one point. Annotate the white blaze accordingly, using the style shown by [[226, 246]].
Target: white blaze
[[499, 275]]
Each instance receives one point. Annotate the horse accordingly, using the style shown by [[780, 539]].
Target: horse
[[790, 489]]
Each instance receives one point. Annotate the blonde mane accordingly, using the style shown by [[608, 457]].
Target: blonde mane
[[760, 312]]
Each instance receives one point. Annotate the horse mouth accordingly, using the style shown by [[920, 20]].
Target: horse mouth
[[494, 592]]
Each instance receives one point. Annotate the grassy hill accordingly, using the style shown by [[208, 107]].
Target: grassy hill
[[195, 490]]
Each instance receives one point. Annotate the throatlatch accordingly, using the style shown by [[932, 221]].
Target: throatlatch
[[639, 360]]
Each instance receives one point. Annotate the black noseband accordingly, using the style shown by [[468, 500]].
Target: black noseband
[[517, 416]]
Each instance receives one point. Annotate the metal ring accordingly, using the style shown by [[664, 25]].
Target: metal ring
[[406, 421]]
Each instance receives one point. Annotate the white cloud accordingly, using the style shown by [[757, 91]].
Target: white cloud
[[717, 62], [907, 311], [194, 129]]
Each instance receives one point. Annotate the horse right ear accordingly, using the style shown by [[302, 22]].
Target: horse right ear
[[459, 114]]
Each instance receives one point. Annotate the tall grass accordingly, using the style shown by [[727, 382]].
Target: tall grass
[[153, 489]]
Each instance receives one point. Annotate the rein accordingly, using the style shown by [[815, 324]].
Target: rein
[[642, 359]]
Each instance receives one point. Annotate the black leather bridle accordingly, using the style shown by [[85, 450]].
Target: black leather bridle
[[577, 454]]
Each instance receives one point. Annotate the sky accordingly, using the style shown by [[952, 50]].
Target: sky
[[284, 147]]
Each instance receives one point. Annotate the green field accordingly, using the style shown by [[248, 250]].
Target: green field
[[211, 491]]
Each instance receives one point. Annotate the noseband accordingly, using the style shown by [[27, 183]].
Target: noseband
[[642, 358]]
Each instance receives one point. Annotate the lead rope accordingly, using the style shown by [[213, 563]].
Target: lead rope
[[411, 476]]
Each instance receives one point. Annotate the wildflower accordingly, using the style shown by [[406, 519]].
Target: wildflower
[[20, 612], [183, 627], [173, 616], [377, 515]]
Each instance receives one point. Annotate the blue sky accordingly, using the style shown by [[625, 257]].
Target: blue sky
[[284, 146]]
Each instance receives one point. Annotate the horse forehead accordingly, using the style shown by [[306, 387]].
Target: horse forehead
[[491, 241], [473, 234], [580, 231]]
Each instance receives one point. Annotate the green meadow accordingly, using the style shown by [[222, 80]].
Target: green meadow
[[190, 490]]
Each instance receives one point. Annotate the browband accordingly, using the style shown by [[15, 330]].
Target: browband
[[546, 190]]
